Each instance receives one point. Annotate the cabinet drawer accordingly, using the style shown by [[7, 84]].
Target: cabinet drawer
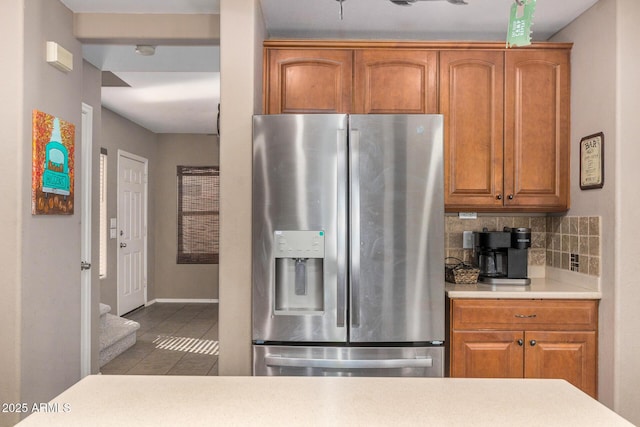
[[553, 315]]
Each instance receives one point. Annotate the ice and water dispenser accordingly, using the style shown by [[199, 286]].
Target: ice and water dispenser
[[299, 259]]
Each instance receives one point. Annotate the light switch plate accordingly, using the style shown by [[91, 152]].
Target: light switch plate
[[112, 233], [468, 215]]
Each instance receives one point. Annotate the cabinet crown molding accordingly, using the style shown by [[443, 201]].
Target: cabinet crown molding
[[399, 44]]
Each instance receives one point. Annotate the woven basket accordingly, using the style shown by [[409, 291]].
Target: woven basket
[[460, 272]]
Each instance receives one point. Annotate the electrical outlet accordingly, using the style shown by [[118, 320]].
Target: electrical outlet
[[574, 260], [467, 240]]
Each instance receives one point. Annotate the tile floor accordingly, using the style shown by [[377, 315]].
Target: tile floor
[[199, 321]]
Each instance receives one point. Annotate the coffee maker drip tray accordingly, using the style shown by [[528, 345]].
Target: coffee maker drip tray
[[504, 281]]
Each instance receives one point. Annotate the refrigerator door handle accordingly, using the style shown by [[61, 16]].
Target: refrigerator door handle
[[298, 362], [341, 229], [354, 199]]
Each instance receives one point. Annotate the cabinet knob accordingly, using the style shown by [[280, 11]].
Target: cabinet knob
[[499, 197], [532, 342], [510, 196], [520, 342]]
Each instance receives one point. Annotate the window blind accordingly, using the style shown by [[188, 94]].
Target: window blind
[[198, 214], [104, 227]]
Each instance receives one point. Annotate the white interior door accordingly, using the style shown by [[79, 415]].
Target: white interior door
[[132, 232]]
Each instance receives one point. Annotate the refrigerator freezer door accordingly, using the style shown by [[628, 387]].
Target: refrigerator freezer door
[[348, 361], [299, 206], [397, 228]]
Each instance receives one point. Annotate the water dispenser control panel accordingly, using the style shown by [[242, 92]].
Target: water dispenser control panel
[[299, 244]]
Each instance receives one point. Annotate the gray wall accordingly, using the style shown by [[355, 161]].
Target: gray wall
[[596, 80], [627, 252], [120, 133], [40, 255], [40, 320], [50, 244], [178, 281], [40, 311], [166, 279], [241, 35], [13, 136], [605, 91]]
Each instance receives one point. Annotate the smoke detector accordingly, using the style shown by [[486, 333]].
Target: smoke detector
[[145, 50]]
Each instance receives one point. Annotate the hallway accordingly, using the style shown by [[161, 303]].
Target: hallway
[[192, 328]]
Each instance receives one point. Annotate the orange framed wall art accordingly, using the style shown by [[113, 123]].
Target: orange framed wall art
[[52, 181]]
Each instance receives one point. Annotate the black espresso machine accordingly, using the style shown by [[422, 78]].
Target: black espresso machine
[[502, 256]]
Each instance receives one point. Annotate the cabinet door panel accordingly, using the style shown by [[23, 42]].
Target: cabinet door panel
[[566, 355], [395, 82], [471, 100], [486, 354], [537, 129], [309, 81]]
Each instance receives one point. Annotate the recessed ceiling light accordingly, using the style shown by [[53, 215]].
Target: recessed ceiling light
[[145, 50]]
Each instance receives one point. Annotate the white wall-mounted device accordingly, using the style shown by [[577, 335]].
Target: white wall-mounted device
[[59, 57]]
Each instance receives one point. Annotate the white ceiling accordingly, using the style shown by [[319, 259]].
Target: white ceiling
[[143, 6], [424, 20], [153, 102], [177, 90]]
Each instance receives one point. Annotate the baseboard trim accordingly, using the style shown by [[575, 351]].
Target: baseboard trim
[[183, 301]]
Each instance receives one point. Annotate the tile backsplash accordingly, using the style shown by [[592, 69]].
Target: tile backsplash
[[573, 243], [567, 242]]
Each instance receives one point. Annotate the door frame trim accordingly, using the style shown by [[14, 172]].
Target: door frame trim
[[86, 278], [145, 161]]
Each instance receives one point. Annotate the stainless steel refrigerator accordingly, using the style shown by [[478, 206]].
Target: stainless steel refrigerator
[[348, 245]]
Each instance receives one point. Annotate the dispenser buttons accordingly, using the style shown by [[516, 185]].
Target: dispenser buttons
[[299, 243]]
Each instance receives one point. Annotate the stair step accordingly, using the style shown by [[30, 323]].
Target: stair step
[[116, 329], [104, 309], [116, 349], [116, 335]]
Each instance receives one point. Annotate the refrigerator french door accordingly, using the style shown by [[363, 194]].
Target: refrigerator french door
[[348, 245]]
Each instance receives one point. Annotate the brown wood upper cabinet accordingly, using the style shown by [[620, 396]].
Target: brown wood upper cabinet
[[308, 81], [536, 161], [506, 111], [471, 100], [506, 129], [360, 81], [395, 81]]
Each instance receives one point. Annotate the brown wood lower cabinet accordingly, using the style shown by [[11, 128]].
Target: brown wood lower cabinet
[[524, 338], [481, 354]]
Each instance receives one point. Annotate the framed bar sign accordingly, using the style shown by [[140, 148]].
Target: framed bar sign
[[592, 161]]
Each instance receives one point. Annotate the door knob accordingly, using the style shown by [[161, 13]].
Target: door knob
[[123, 245], [84, 265], [499, 197], [532, 342], [520, 342], [510, 196]]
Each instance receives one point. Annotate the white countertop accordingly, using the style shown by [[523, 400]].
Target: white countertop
[[110, 400], [557, 285]]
